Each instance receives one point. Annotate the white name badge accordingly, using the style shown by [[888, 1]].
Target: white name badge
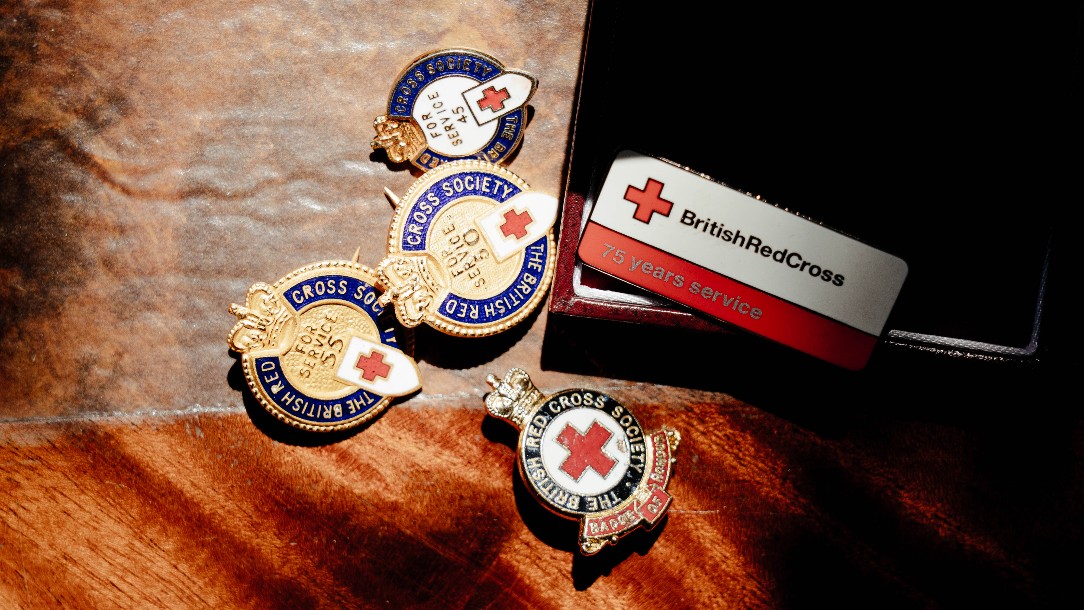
[[731, 256]]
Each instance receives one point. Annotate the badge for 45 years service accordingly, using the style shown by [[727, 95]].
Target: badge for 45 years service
[[470, 250], [454, 104], [316, 351], [584, 456]]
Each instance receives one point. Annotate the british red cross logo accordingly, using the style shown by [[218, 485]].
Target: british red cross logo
[[585, 450], [493, 99], [515, 223], [648, 200], [372, 366]]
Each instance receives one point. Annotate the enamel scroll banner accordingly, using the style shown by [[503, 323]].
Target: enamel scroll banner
[[316, 351], [454, 104], [585, 456]]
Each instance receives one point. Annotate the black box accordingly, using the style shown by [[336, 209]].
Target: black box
[[949, 138]]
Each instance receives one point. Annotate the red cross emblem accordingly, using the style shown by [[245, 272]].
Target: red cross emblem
[[372, 366], [515, 223], [648, 200], [493, 99], [585, 450]]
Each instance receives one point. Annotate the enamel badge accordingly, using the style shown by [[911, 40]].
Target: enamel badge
[[470, 250], [454, 104], [585, 456], [316, 351]]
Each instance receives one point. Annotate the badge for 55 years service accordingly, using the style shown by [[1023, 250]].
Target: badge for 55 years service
[[470, 250], [454, 104], [584, 456], [316, 351]]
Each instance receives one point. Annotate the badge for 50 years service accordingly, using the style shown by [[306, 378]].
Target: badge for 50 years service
[[316, 351], [470, 250], [454, 104], [584, 456]]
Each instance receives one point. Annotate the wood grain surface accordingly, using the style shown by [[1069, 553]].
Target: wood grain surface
[[157, 159]]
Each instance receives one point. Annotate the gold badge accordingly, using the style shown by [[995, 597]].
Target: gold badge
[[470, 250], [454, 104], [584, 456], [316, 351]]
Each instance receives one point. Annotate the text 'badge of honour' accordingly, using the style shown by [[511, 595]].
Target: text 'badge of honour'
[[454, 104], [470, 250], [316, 351], [584, 456]]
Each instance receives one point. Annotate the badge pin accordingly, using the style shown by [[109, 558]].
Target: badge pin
[[316, 351], [584, 456], [454, 104], [470, 250]]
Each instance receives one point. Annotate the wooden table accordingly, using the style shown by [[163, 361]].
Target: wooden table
[[156, 160]]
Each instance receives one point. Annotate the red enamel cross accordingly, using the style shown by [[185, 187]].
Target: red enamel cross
[[586, 450], [648, 200], [493, 100], [515, 223], [372, 366]]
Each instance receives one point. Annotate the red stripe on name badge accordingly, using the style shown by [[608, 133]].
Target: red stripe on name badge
[[724, 298]]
